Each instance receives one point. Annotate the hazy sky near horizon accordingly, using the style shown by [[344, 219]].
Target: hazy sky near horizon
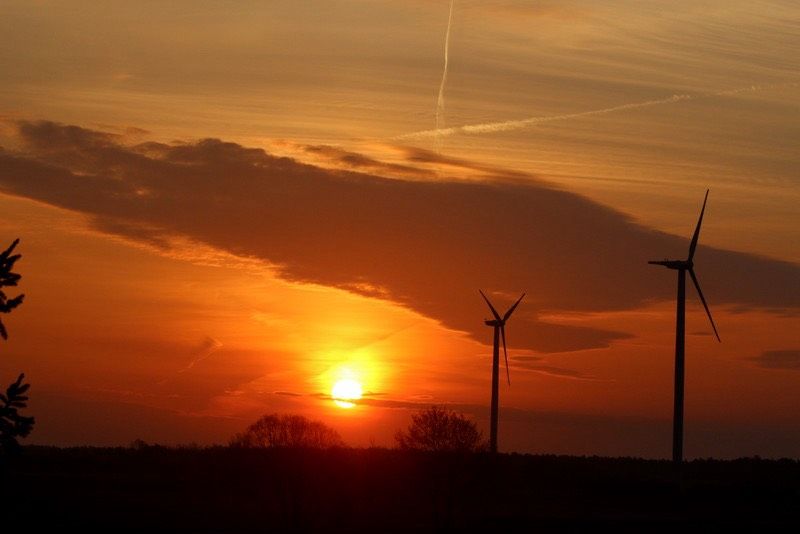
[[225, 207]]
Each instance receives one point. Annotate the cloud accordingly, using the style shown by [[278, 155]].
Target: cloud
[[370, 398], [354, 160], [701, 333], [206, 348], [288, 394], [428, 245], [421, 156], [779, 359], [154, 371], [191, 389], [538, 365], [68, 420]]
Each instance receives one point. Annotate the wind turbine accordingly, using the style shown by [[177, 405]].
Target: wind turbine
[[682, 266], [499, 324]]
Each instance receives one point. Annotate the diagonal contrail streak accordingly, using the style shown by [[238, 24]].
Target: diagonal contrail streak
[[504, 126]]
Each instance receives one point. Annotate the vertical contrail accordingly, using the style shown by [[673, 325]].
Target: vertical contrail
[[440, 100]]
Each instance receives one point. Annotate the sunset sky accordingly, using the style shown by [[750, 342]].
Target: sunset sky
[[224, 208]]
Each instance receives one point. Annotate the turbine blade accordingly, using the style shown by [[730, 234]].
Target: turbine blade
[[494, 312], [512, 308], [505, 352], [696, 235], [703, 299]]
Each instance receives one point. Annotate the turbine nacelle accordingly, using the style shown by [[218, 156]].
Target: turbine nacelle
[[685, 265], [499, 323], [688, 265]]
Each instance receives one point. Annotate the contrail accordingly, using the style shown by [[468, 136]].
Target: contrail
[[492, 127], [440, 100], [206, 349]]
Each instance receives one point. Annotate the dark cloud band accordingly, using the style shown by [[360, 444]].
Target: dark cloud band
[[428, 245]]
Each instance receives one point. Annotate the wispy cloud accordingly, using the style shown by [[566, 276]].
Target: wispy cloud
[[788, 359], [538, 364], [208, 347], [356, 161]]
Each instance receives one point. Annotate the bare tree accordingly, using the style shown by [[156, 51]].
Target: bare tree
[[288, 431], [440, 429], [12, 424]]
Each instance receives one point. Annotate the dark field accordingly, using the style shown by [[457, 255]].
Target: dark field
[[374, 490]]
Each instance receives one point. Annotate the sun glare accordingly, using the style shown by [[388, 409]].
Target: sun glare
[[345, 391]]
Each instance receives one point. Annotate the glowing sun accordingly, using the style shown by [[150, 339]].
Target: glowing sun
[[345, 391]]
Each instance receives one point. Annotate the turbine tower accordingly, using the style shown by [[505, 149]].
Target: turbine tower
[[499, 325], [682, 266]]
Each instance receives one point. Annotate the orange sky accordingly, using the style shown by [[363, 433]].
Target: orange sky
[[224, 210]]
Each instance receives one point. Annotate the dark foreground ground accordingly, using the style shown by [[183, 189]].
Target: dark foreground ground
[[154, 489]]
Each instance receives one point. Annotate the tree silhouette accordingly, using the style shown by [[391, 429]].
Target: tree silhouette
[[287, 431], [8, 278], [12, 424], [440, 429]]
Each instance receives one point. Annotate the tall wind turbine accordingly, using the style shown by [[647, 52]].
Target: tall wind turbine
[[682, 266], [499, 324]]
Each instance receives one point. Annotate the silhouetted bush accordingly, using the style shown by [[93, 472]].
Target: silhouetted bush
[[8, 279], [288, 431], [439, 429], [12, 424]]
